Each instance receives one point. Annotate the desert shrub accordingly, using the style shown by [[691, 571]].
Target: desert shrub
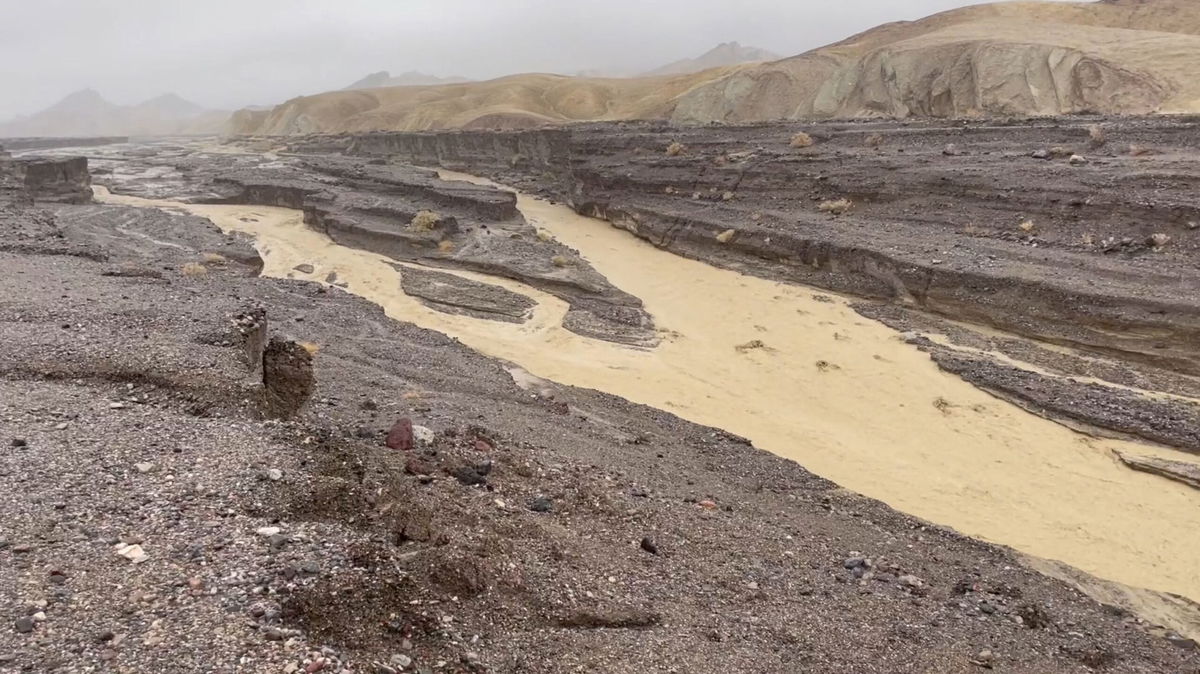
[[1158, 240], [675, 149], [311, 347], [446, 246], [727, 196], [1028, 227], [874, 140], [726, 236], [214, 258], [544, 236], [836, 206], [1097, 137], [801, 139], [424, 221], [194, 269], [560, 261]]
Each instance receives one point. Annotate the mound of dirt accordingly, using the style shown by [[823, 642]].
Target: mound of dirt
[[1011, 58]]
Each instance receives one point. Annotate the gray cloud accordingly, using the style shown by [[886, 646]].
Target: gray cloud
[[232, 53]]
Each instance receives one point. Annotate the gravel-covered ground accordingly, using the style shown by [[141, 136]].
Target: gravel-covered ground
[[153, 521]]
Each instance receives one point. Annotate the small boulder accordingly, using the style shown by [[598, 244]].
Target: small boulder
[[401, 435]]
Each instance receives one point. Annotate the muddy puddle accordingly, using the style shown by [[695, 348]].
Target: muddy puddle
[[802, 375]]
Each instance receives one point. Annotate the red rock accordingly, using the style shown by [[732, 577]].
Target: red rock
[[401, 435], [315, 666], [709, 505], [482, 445], [415, 466]]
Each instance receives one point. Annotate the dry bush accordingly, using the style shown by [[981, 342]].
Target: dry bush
[[1028, 227], [1088, 239], [727, 196], [311, 347], [424, 221], [668, 190], [874, 140], [446, 246], [1060, 152], [214, 258], [1097, 137], [726, 236], [544, 236], [836, 206], [1158, 240], [801, 139], [1141, 151], [675, 149], [194, 269], [560, 261]]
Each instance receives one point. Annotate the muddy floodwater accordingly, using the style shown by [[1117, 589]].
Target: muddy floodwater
[[812, 381]]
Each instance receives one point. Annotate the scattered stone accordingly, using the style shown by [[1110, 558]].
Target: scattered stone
[[469, 476], [482, 445], [1078, 160], [144, 467], [423, 435], [267, 532], [415, 466], [985, 658], [951, 150], [1158, 240], [105, 636], [1041, 154], [401, 661], [315, 666], [117, 406], [304, 268], [273, 474], [857, 563], [649, 545], [541, 504], [1034, 617], [401, 435], [133, 553], [909, 580], [24, 624], [20, 442], [273, 634], [310, 567]]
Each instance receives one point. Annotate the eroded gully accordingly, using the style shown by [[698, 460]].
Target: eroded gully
[[842, 395]]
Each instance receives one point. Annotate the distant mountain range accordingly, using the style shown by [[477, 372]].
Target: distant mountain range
[[87, 113], [725, 54], [412, 78]]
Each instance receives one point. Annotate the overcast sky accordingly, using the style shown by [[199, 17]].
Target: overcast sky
[[232, 53]]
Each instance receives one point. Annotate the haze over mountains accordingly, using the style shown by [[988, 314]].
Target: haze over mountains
[[412, 78], [725, 54], [1000, 59], [87, 113]]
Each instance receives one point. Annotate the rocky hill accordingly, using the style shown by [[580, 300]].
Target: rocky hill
[[1011, 58], [724, 54], [409, 79], [87, 113]]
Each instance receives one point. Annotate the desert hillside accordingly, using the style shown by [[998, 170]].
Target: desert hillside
[[1012, 58]]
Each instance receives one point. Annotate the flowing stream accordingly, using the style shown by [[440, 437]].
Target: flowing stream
[[844, 396]]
